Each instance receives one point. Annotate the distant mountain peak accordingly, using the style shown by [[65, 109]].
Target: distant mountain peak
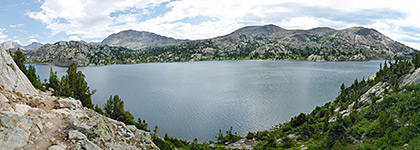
[[138, 39], [10, 44], [33, 46], [258, 30]]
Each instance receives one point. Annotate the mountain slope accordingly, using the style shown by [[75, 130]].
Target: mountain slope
[[381, 112], [64, 53], [272, 42], [135, 39], [32, 46], [252, 42], [10, 44]]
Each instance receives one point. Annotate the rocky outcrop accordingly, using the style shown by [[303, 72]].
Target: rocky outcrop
[[32, 119], [411, 79], [316, 58], [65, 53], [11, 77]]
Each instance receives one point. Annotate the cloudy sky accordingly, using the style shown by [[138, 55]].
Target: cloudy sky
[[48, 21]]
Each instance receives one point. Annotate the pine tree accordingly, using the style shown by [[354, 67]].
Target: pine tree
[[20, 59]]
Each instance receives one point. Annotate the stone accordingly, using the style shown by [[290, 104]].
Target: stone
[[22, 108], [69, 103], [56, 147], [3, 99], [411, 79], [75, 134], [49, 125], [88, 145], [64, 111], [15, 131]]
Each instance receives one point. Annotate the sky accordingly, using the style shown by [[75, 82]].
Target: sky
[[49, 21]]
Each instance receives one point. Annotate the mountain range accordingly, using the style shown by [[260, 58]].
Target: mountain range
[[251, 42], [14, 45]]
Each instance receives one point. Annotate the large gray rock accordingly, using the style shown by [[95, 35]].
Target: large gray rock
[[69, 103], [11, 77], [14, 129], [22, 108], [411, 79]]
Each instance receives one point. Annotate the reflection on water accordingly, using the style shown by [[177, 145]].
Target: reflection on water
[[195, 100]]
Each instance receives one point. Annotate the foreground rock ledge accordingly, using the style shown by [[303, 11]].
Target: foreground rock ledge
[[32, 119]]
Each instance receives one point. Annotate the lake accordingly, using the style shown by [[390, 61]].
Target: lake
[[195, 99]]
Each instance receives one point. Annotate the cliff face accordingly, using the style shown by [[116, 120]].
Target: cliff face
[[32, 119], [11, 77]]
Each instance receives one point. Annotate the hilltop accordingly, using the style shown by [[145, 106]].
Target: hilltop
[[139, 39]]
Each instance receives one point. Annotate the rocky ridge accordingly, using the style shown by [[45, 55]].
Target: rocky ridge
[[32, 119], [273, 42], [14, 46], [251, 42], [65, 53], [139, 39]]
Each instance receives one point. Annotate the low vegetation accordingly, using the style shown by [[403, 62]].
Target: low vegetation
[[386, 121]]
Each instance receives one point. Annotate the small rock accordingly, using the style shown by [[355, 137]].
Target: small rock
[[64, 112], [69, 103], [56, 147], [75, 134], [49, 125], [88, 145], [3, 99]]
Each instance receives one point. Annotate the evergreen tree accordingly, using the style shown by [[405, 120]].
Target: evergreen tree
[[142, 124], [53, 81], [114, 108], [36, 82], [20, 59], [73, 84]]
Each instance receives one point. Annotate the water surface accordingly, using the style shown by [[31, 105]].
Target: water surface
[[195, 99]]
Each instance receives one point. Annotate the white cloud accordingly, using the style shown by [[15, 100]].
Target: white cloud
[[32, 40], [17, 41], [96, 19], [15, 25], [74, 38], [2, 35], [87, 19]]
